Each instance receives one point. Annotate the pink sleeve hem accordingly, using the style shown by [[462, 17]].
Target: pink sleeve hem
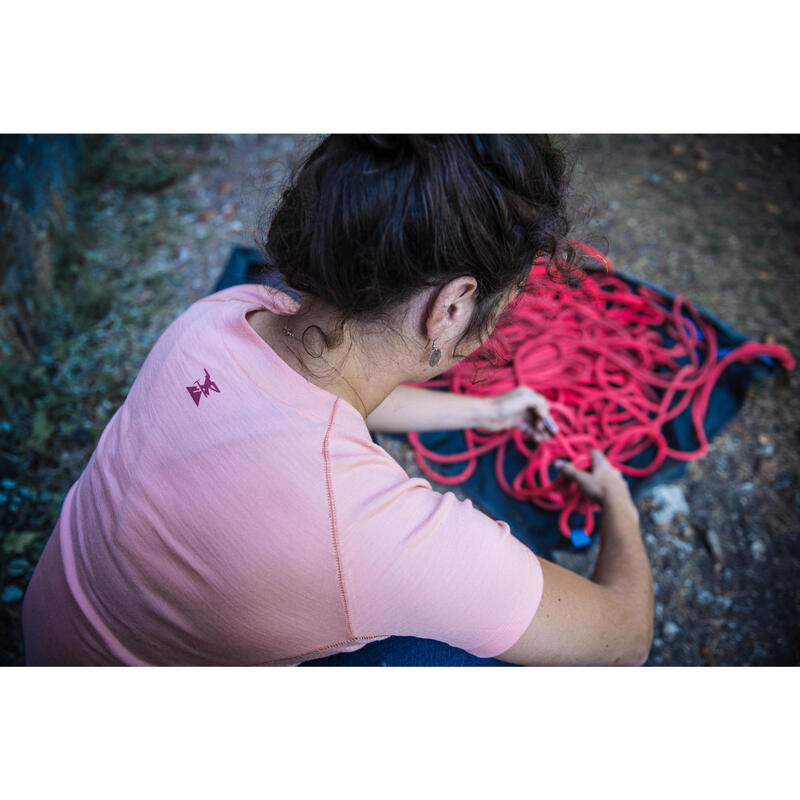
[[524, 611]]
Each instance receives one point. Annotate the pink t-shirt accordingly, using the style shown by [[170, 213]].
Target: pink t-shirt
[[235, 513]]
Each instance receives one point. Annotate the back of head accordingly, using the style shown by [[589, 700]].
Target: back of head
[[369, 220]]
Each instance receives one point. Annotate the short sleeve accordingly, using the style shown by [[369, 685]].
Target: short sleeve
[[416, 562]]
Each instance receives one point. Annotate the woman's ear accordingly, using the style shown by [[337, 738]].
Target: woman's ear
[[451, 309]]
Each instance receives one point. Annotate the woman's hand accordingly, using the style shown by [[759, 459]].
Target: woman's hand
[[603, 484], [520, 408]]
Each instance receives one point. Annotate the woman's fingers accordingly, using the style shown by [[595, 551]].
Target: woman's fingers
[[525, 409], [585, 481], [528, 430], [528, 398], [534, 432], [538, 403]]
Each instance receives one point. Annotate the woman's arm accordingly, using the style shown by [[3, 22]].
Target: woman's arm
[[411, 408], [609, 619]]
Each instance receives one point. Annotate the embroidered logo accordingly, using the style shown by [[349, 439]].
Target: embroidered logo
[[196, 390]]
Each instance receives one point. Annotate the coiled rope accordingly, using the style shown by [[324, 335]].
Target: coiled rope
[[600, 354]]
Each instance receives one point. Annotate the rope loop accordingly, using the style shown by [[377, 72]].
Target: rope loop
[[616, 365]]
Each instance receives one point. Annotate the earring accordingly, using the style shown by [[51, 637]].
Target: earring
[[436, 354]]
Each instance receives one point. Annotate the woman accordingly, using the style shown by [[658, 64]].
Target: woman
[[236, 509]]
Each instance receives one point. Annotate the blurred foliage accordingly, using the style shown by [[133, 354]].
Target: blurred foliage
[[129, 164], [92, 332]]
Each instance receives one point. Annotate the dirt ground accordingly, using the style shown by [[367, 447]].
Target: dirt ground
[[717, 218], [713, 217]]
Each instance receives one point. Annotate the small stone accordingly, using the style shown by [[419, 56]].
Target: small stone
[[714, 544], [745, 487], [658, 643], [701, 152], [730, 443], [671, 630], [205, 214], [705, 598], [777, 150], [740, 186], [758, 549], [678, 149], [668, 501], [226, 188], [679, 176], [703, 165], [771, 208], [614, 206], [228, 211], [767, 450], [681, 545], [237, 226]]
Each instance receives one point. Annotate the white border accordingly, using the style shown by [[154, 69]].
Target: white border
[[238, 67]]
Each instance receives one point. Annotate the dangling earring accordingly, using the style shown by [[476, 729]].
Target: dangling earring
[[436, 354]]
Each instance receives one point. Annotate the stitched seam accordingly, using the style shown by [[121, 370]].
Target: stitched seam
[[327, 647], [332, 517]]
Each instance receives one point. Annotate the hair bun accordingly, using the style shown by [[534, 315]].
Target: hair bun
[[401, 144]]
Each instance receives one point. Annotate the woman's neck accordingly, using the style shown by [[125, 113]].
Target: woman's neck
[[361, 375]]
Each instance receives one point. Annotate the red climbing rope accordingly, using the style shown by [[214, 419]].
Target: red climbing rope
[[599, 354]]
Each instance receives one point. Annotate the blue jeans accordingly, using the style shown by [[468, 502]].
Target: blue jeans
[[406, 651]]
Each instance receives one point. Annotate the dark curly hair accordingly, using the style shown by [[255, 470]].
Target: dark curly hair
[[366, 221]]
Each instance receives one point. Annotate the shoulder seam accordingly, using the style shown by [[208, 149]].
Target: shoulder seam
[[332, 517]]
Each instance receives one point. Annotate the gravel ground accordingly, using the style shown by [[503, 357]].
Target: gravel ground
[[717, 218], [712, 217]]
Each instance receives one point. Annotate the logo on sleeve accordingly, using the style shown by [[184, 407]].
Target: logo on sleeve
[[196, 390]]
